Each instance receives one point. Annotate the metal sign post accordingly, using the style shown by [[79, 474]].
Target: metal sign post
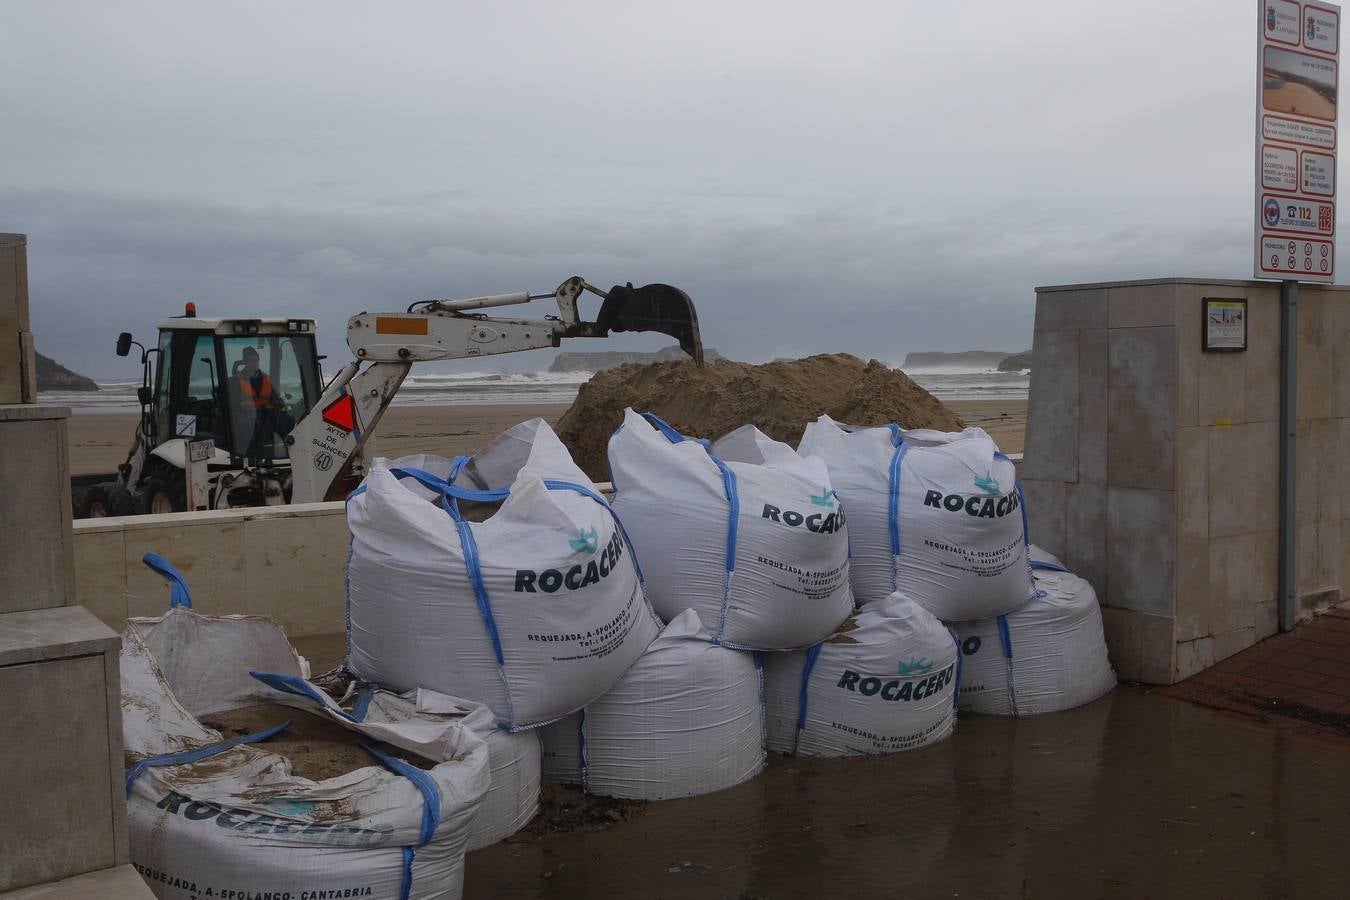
[[1298, 77], [1287, 600]]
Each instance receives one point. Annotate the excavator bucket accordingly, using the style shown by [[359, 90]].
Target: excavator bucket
[[653, 307]]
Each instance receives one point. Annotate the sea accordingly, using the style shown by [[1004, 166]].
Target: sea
[[442, 389]]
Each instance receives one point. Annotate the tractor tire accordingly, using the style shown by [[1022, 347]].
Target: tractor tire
[[109, 499], [162, 495], [79, 502]]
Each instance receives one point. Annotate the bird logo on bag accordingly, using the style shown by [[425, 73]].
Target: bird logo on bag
[[586, 542], [825, 499], [988, 483], [914, 667]]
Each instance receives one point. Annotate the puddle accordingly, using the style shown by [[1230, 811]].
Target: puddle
[[1134, 795]]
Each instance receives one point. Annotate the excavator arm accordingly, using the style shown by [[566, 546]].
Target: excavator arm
[[326, 446]]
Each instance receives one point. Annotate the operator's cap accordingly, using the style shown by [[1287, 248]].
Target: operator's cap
[[250, 352]]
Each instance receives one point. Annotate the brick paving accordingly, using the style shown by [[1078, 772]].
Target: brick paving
[[1303, 675]]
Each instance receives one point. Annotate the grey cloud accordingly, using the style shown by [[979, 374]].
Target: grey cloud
[[885, 178], [816, 283]]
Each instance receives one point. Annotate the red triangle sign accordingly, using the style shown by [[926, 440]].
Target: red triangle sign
[[341, 412]]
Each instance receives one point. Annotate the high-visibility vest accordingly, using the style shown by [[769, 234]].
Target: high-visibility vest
[[260, 397]]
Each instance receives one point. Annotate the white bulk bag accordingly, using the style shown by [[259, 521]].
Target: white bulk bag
[[536, 611], [226, 818], [531, 445], [747, 533], [512, 799], [562, 748], [1048, 654], [886, 682], [937, 515], [685, 720]]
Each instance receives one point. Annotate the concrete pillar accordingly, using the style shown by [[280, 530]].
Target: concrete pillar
[[61, 742], [37, 556], [18, 368], [1152, 467], [61, 747]]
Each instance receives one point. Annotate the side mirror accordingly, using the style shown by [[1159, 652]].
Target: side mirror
[[144, 395], [124, 343]]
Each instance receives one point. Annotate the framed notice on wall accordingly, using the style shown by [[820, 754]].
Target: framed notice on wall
[[1224, 327]]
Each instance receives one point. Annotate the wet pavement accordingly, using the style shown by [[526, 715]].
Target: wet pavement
[[1299, 679], [1135, 795]]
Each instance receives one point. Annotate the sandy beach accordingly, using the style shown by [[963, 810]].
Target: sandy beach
[[99, 441], [1299, 99]]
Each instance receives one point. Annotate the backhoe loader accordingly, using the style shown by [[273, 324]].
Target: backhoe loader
[[234, 411]]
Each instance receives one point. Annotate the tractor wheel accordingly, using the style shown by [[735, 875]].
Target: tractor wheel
[[79, 502], [109, 499], [162, 495]]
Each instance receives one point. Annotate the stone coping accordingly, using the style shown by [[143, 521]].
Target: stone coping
[[19, 412], [208, 517], [118, 883], [59, 632], [225, 516], [1145, 282]]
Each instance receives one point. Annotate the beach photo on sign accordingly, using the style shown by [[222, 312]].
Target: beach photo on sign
[[1298, 83]]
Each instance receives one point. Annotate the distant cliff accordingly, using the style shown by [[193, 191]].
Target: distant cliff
[[608, 359], [1018, 362], [52, 376], [967, 359]]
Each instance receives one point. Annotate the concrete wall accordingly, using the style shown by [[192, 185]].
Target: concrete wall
[[1152, 467], [287, 562]]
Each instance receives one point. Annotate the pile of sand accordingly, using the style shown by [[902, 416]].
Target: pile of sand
[[778, 397]]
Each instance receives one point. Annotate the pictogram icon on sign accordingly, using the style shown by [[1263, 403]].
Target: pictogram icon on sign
[[1272, 213]]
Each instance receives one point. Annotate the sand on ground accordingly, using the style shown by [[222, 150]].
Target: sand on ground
[[99, 441], [1005, 419]]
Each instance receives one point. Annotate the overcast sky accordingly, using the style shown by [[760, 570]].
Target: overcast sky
[[870, 178]]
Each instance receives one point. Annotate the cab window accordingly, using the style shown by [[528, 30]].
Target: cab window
[[271, 382]]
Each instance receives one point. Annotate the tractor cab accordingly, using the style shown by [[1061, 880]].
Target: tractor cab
[[243, 383]]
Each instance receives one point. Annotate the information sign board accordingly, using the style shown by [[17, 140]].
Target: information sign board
[[1298, 59]]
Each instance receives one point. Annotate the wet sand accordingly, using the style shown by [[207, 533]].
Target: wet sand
[[1005, 420], [99, 441]]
